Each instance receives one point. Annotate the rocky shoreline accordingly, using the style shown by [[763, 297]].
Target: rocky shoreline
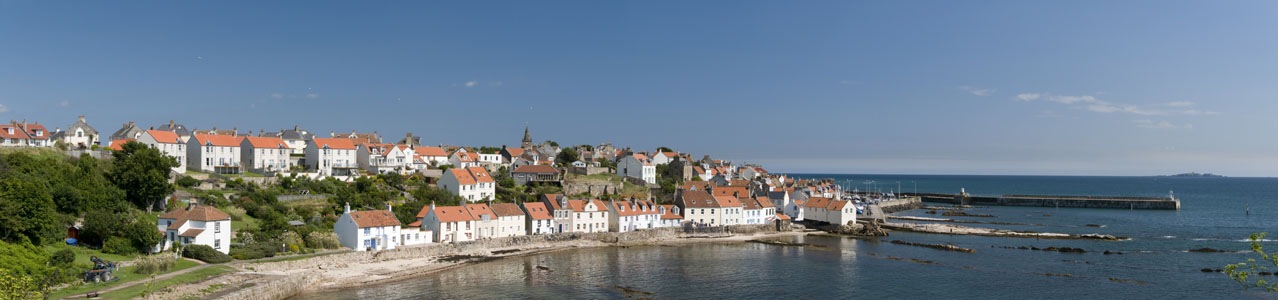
[[965, 230]]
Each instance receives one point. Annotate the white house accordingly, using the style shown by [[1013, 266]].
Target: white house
[[837, 212], [448, 224], [473, 183], [758, 210], [385, 158], [368, 230], [296, 138], [265, 154], [463, 159], [211, 153], [168, 143], [432, 154], [331, 156], [670, 216], [703, 209], [413, 234], [485, 221], [195, 225], [637, 166], [78, 135], [511, 220], [491, 158], [661, 158], [537, 218], [627, 216], [577, 215]]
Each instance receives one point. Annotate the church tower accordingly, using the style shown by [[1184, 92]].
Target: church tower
[[527, 139]]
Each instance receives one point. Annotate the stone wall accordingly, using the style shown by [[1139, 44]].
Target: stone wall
[[594, 189]]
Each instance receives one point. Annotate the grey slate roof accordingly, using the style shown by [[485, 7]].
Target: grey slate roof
[[290, 134], [128, 131]]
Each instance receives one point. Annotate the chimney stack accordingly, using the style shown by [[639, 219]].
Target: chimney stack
[[388, 208], [296, 128], [172, 124], [81, 118], [348, 208]]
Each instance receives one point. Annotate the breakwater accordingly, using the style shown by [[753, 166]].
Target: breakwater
[[1111, 202]]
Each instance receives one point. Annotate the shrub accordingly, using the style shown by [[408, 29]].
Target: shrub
[[62, 257], [119, 245], [154, 264], [256, 250], [205, 253], [323, 240], [294, 248], [187, 181]]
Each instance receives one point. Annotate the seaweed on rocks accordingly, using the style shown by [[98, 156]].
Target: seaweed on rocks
[[1208, 250], [964, 214], [946, 247]]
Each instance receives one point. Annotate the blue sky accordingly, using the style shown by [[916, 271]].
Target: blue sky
[[918, 87]]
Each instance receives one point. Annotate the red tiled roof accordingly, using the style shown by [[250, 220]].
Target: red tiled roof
[[462, 175], [374, 218], [627, 208], [782, 217], [670, 214], [553, 199], [417, 223], [478, 210], [837, 205], [266, 142], [31, 131], [507, 210], [764, 201], [727, 201], [537, 210], [17, 132], [430, 151], [700, 199], [515, 151], [164, 137], [480, 174], [734, 191], [217, 140], [816, 202], [452, 214], [118, 145], [334, 143], [536, 169], [198, 213], [193, 232]]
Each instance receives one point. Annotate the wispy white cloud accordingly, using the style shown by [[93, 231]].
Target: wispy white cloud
[[471, 83], [1093, 104], [1151, 124], [4, 109], [312, 96], [1072, 99], [277, 95], [64, 103], [977, 91]]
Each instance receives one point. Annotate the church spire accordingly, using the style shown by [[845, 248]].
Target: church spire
[[527, 139]]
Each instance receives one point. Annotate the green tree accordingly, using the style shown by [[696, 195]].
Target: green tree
[[26, 210], [1244, 271], [142, 234], [143, 173], [100, 225], [566, 156], [664, 149]]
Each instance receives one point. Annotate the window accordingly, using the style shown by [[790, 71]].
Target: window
[[217, 227], [366, 231], [217, 243], [448, 226]]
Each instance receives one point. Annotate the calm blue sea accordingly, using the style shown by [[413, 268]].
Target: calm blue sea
[[1154, 263]]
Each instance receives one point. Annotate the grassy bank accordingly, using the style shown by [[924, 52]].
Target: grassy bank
[[125, 275], [146, 288]]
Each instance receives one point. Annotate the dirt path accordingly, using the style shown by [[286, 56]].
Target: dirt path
[[133, 283]]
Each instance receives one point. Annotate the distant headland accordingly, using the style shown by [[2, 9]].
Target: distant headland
[[1192, 175]]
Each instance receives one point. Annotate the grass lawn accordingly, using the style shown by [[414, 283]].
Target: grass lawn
[[142, 288], [125, 274], [246, 221], [193, 172], [82, 254], [609, 177], [297, 257], [250, 174]]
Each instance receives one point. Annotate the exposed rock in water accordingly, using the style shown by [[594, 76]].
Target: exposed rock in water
[[1059, 275], [860, 229], [631, 291], [1065, 250], [500, 252], [946, 247], [964, 214], [778, 243], [965, 230], [1107, 252], [1207, 270], [1126, 280], [544, 268], [1208, 250], [931, 212], [1095, 225]]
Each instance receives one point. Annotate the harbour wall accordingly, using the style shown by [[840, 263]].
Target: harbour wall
[[1110, 202]]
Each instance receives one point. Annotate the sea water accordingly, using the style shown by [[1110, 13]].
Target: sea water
[[1216, 213]]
